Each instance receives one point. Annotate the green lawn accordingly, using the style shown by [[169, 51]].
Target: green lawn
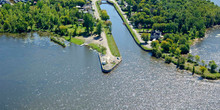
[[111, 43], [74, 40], [80, 30]]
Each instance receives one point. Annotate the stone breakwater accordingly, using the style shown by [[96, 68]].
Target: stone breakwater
[[107, 65]]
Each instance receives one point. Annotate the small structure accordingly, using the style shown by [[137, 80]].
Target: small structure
[[155, 34], [87, 7], [79, 7], [80, 20]]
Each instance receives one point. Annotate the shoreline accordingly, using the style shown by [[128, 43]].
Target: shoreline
[[106, 69], [193, 42], [108, 61], [197, 40], [134, 35]]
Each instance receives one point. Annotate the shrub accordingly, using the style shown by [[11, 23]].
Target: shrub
[[156, 52], [213, 66], [190, 58], [182, 66], [164, 55], [154, 44], [184, 49], [145, 37], [165, 46], [168, 59]]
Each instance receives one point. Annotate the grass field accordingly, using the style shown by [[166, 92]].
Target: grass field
[[75, 40]]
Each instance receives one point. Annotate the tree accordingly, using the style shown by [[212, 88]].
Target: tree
[[80, 2], [178, 52], [193, 70], [63, 30], [156, 52], [99, 28], [181, 62], [129, 11], [190, 57], [203, 63], [70, 35], [31, 23], [75, 31], [173, 48], [202, 69], [104, 15], [154, 44], [165, 46], [145, 37], [168, 59], [197, 58], [6, 26], [88, 22], [184, 49], [109, 25], [213, 66]]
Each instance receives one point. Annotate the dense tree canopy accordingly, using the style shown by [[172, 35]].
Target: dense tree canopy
[[45, 15], [190, 17]]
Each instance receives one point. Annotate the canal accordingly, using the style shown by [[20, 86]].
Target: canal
[[38, 74]]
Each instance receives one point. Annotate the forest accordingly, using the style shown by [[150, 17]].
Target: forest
[[45, 15], [180, 21], [190, 17]]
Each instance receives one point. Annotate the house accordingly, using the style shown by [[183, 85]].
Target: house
[[155, 34]]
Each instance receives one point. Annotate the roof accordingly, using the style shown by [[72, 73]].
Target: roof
[[155, 34]]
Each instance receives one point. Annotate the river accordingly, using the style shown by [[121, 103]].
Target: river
[[38, 74], [208, 49]]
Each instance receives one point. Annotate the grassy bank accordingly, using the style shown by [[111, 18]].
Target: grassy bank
[[111, 42], [128, 26], [97, 47], [75, 40], [189, 67]]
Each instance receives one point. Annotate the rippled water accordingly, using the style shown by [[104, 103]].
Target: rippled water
[[38, 74], [209, 48]]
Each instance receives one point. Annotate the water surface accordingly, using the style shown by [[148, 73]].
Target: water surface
[[209, 48], [38, 74]]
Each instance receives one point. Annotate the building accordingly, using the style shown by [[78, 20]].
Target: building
[[155, 34]]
